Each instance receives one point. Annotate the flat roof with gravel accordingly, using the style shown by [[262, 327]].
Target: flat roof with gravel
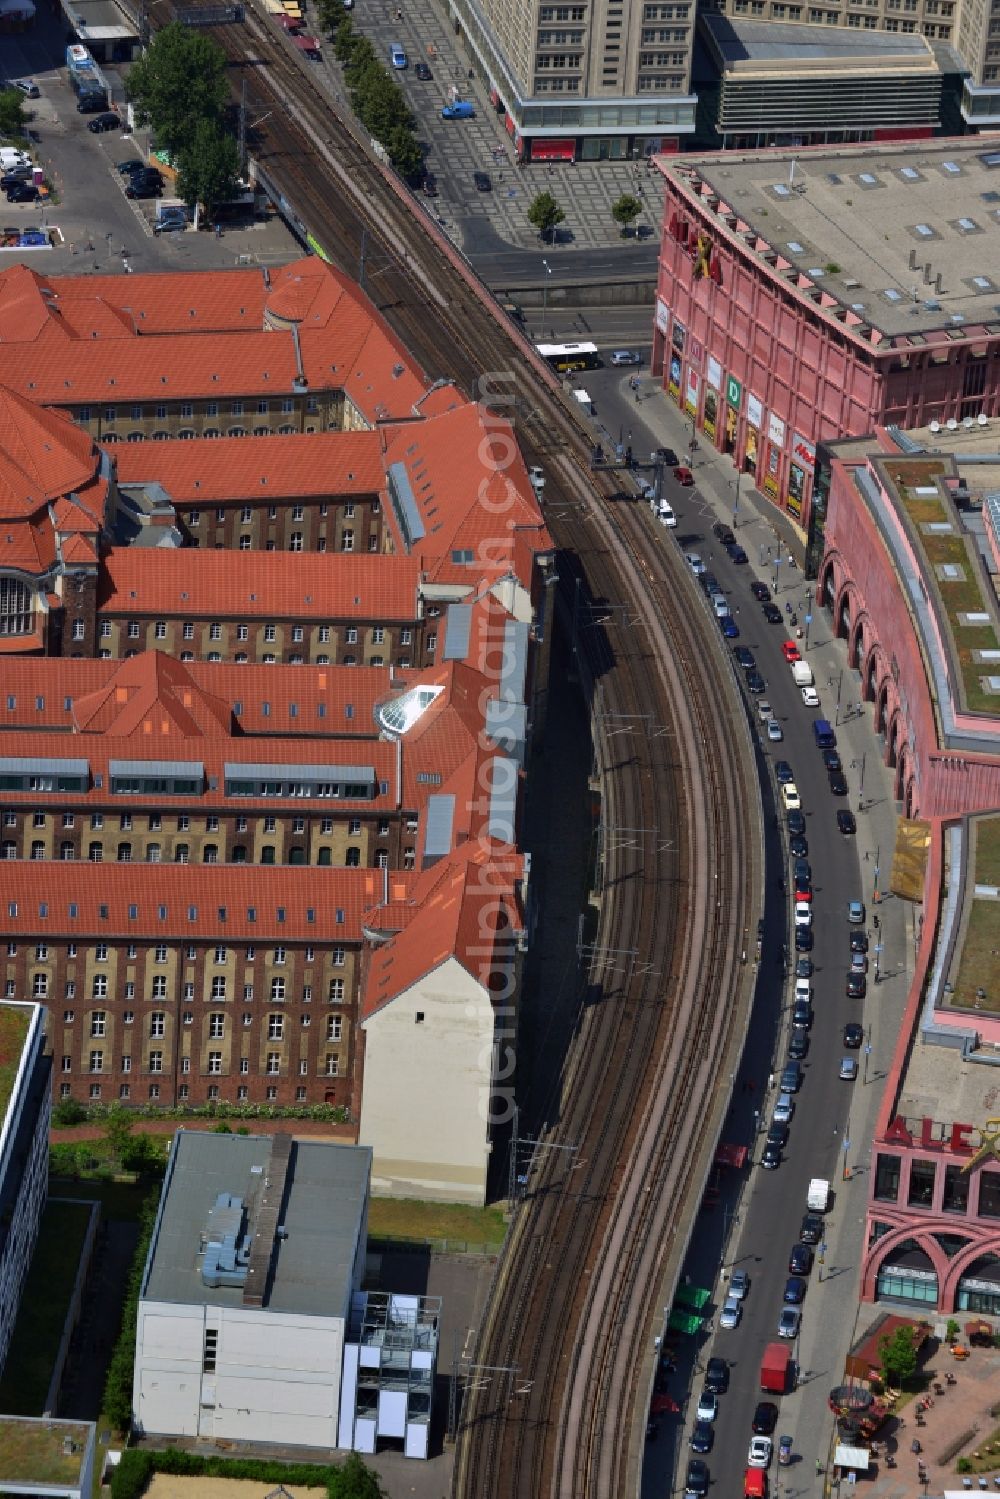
[[36, 1451], [850, 218]]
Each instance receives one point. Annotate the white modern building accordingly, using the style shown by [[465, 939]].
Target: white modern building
[[257, 1251], [26, 1103], [389, 1366]]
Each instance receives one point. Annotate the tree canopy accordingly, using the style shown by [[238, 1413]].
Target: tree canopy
[[898, 1355], [12, 116], [208, 167], [545, 213], [626, 210], [179, 81]]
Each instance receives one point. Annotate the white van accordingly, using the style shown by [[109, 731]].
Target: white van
[[665, 515]]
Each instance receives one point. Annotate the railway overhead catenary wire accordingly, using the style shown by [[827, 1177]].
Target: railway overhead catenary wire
[[598, 1239]]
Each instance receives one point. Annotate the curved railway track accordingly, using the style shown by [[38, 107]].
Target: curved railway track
[[646, 1084]]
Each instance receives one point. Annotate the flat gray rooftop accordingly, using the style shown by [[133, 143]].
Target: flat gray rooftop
[[101, 19], [324, 1213], [863, 210], [739, 42]]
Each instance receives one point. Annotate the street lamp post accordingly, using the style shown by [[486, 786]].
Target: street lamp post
[[840, 688], [868, 1052], [545, 293], [736, 502], [876, 897], [777, 564], [855, 765]]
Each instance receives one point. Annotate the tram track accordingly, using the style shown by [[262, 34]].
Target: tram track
[[645, 1084]]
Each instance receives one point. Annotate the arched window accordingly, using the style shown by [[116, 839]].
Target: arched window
[[353, 859], [15, 607], [66, 851], [38, 849], [237, 432], [124, 853], [186, 433], [181, 853], [95, 853], [110, 437], [239, 853], [136, 437], [9, 849], [210, 853]]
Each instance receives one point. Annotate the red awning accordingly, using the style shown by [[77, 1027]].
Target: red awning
[[731, 1155], [563, 150], [289, 23], [306, 43]]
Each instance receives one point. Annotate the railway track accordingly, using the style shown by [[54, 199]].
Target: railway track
[[646, 1083]]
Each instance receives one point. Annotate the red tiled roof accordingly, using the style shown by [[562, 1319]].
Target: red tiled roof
[[287, 585], [460, 909], [27, 545], [43, 455], [212, 470], [152, 693], [316, 702], [201, 889], [76, 550]]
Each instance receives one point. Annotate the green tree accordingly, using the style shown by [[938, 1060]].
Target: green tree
[[355, 1481], [118, 1124], [209, 167], [625, 211], [12, 116], [545, 214], [898, 1356], [179, 81], [330, 13], [404, 150]]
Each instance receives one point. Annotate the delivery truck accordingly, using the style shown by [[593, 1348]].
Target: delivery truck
[[802, 674], [774, 1368], [818, 1196]]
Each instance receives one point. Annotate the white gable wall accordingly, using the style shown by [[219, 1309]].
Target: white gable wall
[[427, 1089]]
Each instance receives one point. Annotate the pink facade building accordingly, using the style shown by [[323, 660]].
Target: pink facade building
[[809, 296], [909, 540]]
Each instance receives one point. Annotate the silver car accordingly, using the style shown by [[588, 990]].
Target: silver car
[[784, 1109], [729, 1317], [625, 356], [788, 1322]]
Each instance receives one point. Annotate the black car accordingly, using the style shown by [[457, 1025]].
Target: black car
[[666, 456], [859, 941], [745, 658], [777, 1134], [857, 986], [717, 1376], [798, 847], [783, 773], [485, 185], [804, 968], [854, 1034], [846, 823], [796, 823], [723, 532], [811, 1229], [795, 1290], [709, 583], [802, 1013], [765, 1418], [772, 614], [106, 121], [791, 1078], [129, 165], [761, 592], [736, 553], [838, 782], [755, 683], [803, 939], [22, 192], [697, 1478], [832, 760], [800, 1260], [92, 104], [798, 1045], [702, 1436], [15, 175], [144, 187], [770, 1157], [423, 72], [802, 869]]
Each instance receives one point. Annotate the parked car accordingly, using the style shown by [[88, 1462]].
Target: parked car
[[22, 192], [857, 986], [775, 733], [846, 823], [148, 187], [810, 697], [482, 182], [736, 554], [798, 847], [755, 683], [856, 912], [804, 968], [800, 1260], [803, 939], [108, 120], [13, 175], [397, 55], [790, 651], [798, 1044], [460, 110], [702, 1437], [859, 942], [761, 592], [739, 1284], [854, 1034], [724, 533], [772, 614], [791, 1078], [784, 1108], [622, 357], [795, 1290], [803, 913], [788, 1322], [666, 456], [759, 1453], [784, 773], [727, 624], [697, 1479], [838, 782], [683, 475], [721, 606], [777, 1134], [729, 1317], [92, 103], [764, 709], [770, 1157], [832, 760], [131, 164], [27, 86], [717, 1376], [859, 962], [745, 658], [796, 824], [765, 1418], [695, 563], [848, 1069], [811, 1228], [708, 1405], [423, 72], [802, 1013]]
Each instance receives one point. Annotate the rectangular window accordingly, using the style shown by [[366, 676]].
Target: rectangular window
[[215, 1062], [336, 991], [273, 1063], [275, 1027], [334, 1027], [216, 1027], [956, 1190], [97, 1061], [921, 1183]]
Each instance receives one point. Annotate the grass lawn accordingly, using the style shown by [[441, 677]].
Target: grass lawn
[[988, 851], [14, 1024], [979, 1455], [32, 1452], [401, 1218], [44, 1304], [978, 966]]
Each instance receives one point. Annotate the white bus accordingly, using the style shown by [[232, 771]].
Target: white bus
[[568, 357]]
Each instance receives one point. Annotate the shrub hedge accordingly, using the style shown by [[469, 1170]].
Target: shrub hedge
[[348, 1480]]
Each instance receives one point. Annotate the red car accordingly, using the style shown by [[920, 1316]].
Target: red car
[[791, 652], [683, 475]]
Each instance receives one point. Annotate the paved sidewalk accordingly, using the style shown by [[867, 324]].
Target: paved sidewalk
[[836, 1318]]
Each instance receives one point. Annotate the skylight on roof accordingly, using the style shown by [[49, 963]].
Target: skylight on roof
[[967, 224], [892, 295], [795, 247], [400, 714], [910, 173], [868, 178], [952, 167], [982, 283], [990, 159], [781, 191], [924, 229]]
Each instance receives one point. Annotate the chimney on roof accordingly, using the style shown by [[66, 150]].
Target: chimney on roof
[[938, 280], [928, 273], [913, 260]]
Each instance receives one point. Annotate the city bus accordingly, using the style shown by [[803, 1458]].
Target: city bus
[[567, 357]]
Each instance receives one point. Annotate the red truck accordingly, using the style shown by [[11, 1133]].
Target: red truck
[[774, 1368]]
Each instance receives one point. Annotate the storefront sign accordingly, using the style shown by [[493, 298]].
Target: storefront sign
[[710, 418], [691, 393], [678, 336], [674, 379], [804, 452], [734, 392], [713, 373], [930, 1134], [695, 353], [750, 452], [731, 420], [770, 484], [755, 412], [662, 315], [796, 489], [776, 430]]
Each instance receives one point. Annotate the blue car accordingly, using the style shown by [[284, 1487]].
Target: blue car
[[460, 110], [729, 627]]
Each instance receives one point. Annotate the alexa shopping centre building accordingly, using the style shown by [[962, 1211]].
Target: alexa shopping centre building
[[807, 296]]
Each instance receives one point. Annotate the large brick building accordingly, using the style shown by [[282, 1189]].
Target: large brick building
[[337, 709]]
